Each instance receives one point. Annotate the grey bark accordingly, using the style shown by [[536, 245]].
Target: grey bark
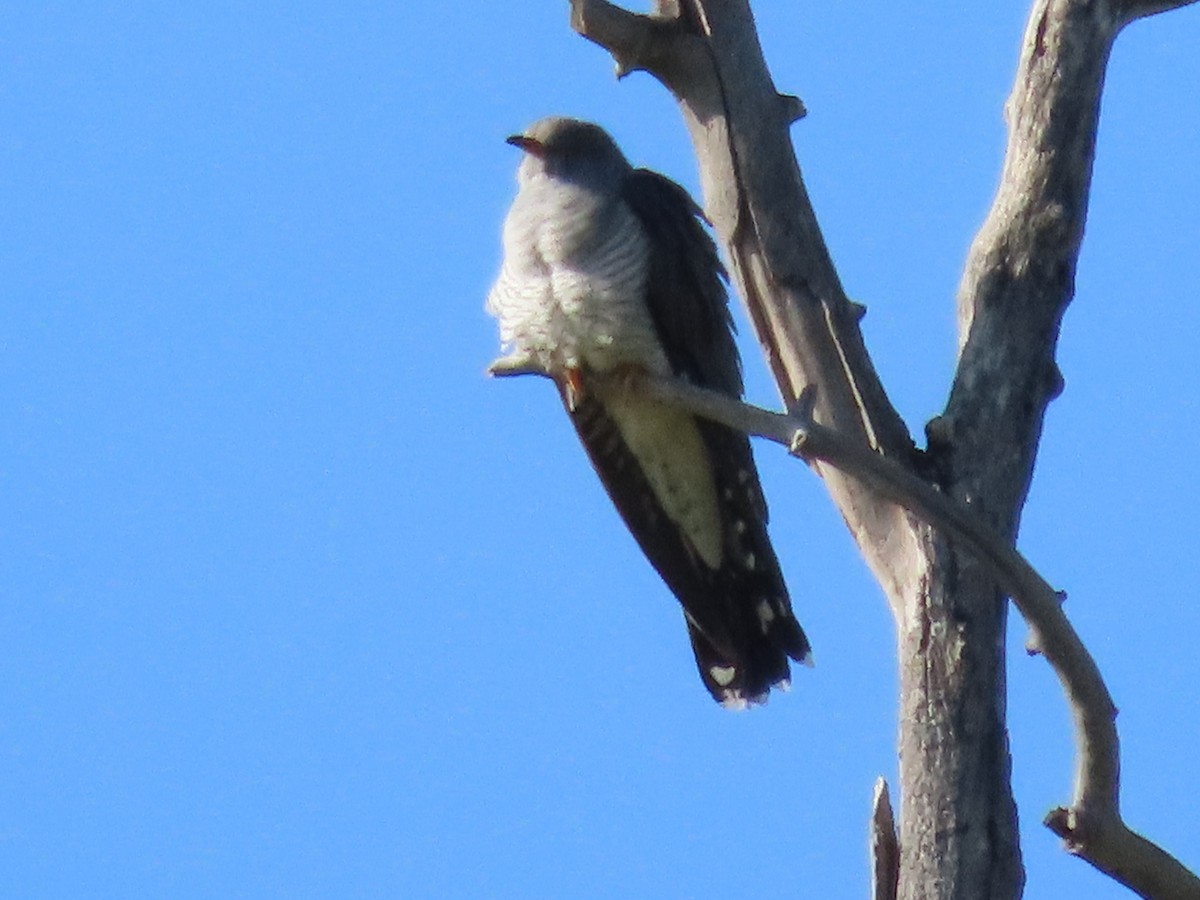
[[957, 829]]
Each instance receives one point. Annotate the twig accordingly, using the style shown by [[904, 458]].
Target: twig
[[885, 848]]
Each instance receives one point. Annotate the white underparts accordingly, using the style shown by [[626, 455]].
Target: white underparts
[[674, 458], [571, 292]]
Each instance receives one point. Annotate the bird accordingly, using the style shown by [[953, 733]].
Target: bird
[[608, 272]]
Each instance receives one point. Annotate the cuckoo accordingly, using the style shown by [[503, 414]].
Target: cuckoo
[[609, 272]]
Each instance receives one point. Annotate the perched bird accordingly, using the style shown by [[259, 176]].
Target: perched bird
[[607, 270]]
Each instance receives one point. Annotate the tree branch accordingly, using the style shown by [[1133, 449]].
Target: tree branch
[[1092, 825], [1020, 272], [1017, 284], [636, 42], [885, 850], [1130, 10]]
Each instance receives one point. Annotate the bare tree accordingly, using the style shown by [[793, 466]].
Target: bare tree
[[937, 526]]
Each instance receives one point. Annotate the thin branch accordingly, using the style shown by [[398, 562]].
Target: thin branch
[[636, 42]]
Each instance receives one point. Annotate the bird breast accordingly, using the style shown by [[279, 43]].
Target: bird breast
[[572, 288]]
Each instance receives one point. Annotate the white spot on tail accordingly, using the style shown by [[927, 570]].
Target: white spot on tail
[[722, 675], [751, 561], [766, 615]]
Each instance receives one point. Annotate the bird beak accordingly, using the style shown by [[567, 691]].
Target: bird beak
[[526, 143]]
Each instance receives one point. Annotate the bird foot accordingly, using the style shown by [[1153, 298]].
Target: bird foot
[[572, 387]]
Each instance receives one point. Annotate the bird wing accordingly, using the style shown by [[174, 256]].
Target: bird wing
[[734, 599], [686, 285]]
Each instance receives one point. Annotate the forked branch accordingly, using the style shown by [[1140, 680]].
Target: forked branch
[[1092, 826]]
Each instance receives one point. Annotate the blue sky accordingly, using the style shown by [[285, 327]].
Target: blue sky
[[295, 603]]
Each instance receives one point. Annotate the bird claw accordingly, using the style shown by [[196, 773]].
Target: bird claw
[[572, 387]]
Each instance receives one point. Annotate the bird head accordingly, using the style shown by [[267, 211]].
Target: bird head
[[570, 150]]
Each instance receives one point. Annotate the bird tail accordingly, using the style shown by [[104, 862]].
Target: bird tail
[[742, 674]]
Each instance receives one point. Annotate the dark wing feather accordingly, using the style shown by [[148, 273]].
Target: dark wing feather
[[689, 306], [664, 544], [722, 606], [686, 289]]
